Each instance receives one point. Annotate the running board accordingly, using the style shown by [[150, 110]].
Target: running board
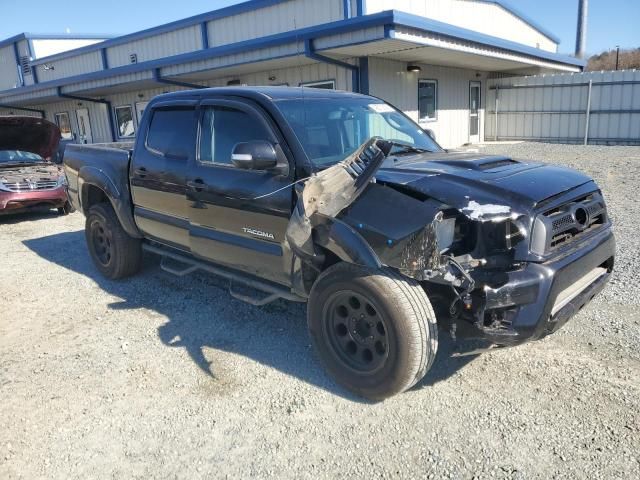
[[272, 291]]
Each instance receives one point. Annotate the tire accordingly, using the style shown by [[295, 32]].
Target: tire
[[113, 251], [374, 330], [66, 209]]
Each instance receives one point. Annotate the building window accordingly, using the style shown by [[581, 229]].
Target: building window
[[326, 84], [64, 124], [427, 100], [124, 121]]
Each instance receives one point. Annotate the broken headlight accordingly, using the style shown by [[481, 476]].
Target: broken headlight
[[454, 233]]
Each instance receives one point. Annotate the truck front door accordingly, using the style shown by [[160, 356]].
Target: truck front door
[[237, 217]]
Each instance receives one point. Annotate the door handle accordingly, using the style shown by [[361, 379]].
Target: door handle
[[197, 184], [140, 172]]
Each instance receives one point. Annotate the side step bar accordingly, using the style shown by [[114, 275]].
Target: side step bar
[[272, 291]]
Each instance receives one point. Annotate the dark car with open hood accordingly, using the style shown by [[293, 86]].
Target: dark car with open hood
[[342, 201], [28, 177]]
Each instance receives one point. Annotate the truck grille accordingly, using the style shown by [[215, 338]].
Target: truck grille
[[31, 186], [567, 223]]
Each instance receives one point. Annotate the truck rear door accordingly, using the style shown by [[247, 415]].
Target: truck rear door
[[158, 172], [237, 217]]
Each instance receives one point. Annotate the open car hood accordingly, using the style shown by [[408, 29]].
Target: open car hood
[[29, 134]]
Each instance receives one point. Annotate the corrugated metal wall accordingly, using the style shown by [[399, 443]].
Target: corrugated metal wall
[[390, 80], [554, 108], [67, 67], [278, 18], [9, 78], [481, 17]]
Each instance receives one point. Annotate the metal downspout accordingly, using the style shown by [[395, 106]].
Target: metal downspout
[[310, 52], [158, 78]]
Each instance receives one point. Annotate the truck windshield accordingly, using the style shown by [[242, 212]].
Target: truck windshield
[[330, 129], [18, 156]]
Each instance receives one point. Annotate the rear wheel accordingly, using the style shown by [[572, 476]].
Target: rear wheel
[[113, 251], [374, 330]]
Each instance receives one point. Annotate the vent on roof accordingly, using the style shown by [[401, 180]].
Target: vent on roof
[[24, 65]]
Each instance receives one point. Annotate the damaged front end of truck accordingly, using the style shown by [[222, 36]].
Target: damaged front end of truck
[[470, 251]]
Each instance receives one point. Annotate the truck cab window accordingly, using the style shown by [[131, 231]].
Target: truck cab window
[[223, 128], [171, 132]]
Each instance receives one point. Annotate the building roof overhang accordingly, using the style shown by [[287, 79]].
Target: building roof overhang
[[391, 33]]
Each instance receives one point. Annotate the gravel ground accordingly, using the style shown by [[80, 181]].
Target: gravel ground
[[160, 377]]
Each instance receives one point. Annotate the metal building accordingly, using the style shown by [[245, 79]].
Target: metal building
[[431, 58]]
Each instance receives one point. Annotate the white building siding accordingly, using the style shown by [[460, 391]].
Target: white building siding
[[283, 17], [166, 44], [67, 67], [9, 78], [390, 81], [482, 17]]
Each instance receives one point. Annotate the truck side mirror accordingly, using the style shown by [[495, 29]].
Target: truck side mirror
[[254, 155]]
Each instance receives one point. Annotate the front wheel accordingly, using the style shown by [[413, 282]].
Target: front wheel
[[374, 330], [113, 251]]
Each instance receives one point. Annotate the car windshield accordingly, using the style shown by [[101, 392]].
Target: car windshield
[[18, 156], [330, 129]]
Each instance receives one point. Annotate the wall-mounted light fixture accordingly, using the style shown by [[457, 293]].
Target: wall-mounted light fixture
[[141, 95], [413, 68], [47, 66], [235, 81], [272, 78]]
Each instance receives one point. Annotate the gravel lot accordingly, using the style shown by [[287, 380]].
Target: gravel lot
[[162, 377]]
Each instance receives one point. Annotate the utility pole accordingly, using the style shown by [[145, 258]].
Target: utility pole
[[581, 32], [617, 55]]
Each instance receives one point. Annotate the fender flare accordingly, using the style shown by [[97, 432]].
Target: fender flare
[[118, 197], [346, 243]]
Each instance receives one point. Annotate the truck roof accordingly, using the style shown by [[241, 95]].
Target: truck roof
[[268, 92]]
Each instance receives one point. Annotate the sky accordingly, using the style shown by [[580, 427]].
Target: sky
[[611, 22]]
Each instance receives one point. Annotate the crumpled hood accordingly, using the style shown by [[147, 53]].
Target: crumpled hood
[[480, 185], [29, 134], [31, 173]]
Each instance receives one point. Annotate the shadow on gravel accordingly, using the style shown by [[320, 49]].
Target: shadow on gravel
[[202, 315], [34, 214]]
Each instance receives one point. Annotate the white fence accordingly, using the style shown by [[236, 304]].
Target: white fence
[[593, 107]]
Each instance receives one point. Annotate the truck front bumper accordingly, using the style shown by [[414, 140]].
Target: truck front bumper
[[540, 298]]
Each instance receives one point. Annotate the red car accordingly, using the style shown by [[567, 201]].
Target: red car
[[28, 177]]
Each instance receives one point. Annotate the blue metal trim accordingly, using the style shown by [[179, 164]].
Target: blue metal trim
[[421, 23], [112, 126], [236, 240], [346, 8], [364, 75], [525, 18], [105, 60], [310, 52], [158, 78], [204, 32], [54, 36], [168, 27], [360, 7], [12, 107]]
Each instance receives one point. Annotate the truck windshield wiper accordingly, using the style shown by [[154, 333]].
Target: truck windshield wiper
[[400, 147]]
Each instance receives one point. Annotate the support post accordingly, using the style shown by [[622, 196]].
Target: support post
[[495, 120], [587, 114]]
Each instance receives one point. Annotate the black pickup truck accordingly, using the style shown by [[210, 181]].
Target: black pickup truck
[[340, 200]]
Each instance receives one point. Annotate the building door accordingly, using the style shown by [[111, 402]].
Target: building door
[[84, 126], [474, 112]]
